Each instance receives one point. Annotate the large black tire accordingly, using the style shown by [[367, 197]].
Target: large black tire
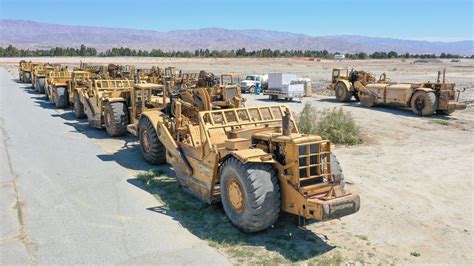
[[78, 106], [336, 171], [260, 194], [152, 149], [41, 83], [27, 77], [21, 77], [342, 92], [423, 103], [46, 93], [116, 118], [35, 85], [62, 97]]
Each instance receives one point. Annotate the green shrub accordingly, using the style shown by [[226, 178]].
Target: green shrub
[[335, 124]]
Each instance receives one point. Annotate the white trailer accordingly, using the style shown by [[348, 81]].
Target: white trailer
[[284, 86]]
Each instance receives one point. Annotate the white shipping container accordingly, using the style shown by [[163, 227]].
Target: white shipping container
[[276, 81]]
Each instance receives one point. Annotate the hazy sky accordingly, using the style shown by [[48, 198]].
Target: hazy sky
[[418, 19]]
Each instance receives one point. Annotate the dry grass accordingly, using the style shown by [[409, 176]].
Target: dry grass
[[335, 124], [284, 243]]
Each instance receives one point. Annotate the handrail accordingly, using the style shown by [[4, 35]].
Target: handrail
[[106, 84], [241, 117]]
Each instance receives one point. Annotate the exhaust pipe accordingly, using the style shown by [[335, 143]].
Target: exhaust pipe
[[286, 123]]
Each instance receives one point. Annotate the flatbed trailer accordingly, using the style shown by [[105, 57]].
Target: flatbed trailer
[[280, 95]]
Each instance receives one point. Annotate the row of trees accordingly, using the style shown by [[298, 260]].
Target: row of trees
[[12, 51], [392, 54]]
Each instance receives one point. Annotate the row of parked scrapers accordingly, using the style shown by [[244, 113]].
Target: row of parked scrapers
[[251, 159]]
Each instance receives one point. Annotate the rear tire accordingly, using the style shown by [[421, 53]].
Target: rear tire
[[116, 118], [46, 94], [342, 92], [152, 149], [35, 85], [61, 97], [423, 103], [78, 106], [250, 194], [41, 83]]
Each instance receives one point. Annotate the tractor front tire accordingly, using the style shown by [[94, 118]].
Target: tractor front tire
[[151, 147], [61, 97], [41, 83], [35, 85], [27, 77], [116, 118], [250, 194], [342, 92], [423, 103], [336, 171], [46, 94], [78, 106]]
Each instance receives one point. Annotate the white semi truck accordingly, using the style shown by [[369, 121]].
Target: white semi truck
[[252, 83]]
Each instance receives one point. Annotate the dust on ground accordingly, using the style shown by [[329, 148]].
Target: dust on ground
[[414, 175]]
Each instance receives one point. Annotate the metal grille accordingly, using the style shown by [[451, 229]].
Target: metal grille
[[231, 92], [314, 163]]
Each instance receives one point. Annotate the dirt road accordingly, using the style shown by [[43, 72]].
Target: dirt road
[[414, 175]]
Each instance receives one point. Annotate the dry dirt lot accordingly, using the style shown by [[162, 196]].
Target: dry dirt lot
[[414, 175]]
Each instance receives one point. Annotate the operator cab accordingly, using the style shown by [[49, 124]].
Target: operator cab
[[339, 73], [230, 79]]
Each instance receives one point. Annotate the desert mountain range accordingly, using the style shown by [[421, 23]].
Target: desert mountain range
[[36, 35]]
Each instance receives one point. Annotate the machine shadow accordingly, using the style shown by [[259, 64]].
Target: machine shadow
[[39, 99], [126, 153], [387, 108], [130, 157], [123, 150], [279, 101], [43, 102], [209, 222], [18, 81]]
